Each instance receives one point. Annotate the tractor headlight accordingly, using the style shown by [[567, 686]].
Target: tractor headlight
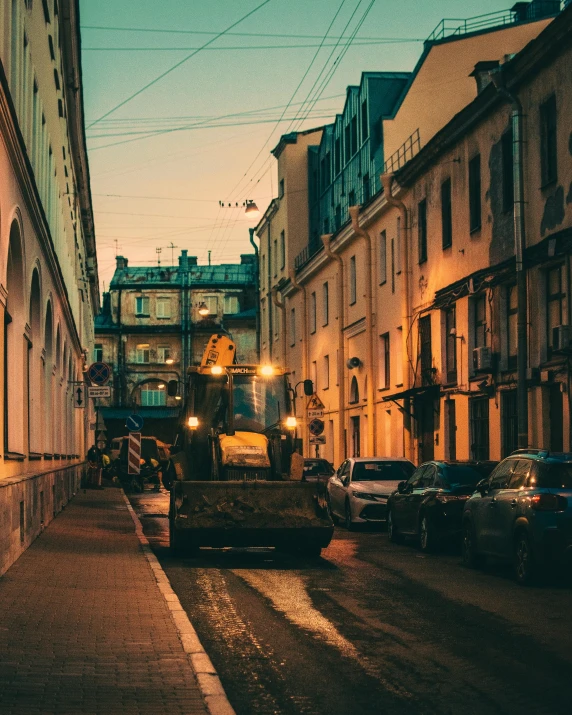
[[216, 370], [267, 370]]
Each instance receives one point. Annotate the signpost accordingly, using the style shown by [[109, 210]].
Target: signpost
[[321, 439], [134, 453], [96, 392], [134, 423], [316, 427], [315, 408], [99, 373], [315, 412], [79, 396]]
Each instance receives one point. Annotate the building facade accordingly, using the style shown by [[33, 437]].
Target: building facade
[[48, 268], [156, 322], [406, 315]]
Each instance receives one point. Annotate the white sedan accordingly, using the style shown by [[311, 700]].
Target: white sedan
[[358, 492]]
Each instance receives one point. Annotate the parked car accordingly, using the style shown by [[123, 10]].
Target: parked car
[[522, 513], [429, 505], [358, 491], [317, 470]]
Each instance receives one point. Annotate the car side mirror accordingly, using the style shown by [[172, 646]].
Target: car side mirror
[[482, 487], [346, 480], [401, 487]]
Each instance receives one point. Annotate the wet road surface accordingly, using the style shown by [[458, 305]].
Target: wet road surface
[[371, 627]]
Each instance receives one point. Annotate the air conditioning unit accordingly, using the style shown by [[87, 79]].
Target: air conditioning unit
[[482, 359], [561, 338]]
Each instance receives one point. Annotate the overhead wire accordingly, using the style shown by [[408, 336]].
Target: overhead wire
[[178, 64]]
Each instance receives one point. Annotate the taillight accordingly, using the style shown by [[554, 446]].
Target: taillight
[[548, 502]]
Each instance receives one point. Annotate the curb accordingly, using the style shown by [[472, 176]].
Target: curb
[[207, 678]]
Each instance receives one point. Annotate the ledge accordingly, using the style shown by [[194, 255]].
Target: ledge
[[25, 476], [14, 456]]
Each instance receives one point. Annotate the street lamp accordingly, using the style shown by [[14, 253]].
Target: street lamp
[[203, 310]]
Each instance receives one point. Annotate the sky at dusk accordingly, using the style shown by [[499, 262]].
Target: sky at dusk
[[161, 161]]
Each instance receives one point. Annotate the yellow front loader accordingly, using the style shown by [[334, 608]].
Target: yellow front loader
[[235, 474]]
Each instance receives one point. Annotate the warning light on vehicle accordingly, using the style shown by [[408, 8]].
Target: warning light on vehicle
[[291, 422], [216, 370], [267, 370], [193, 422]]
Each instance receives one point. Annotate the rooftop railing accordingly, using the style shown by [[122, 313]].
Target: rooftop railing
[[406, 151]]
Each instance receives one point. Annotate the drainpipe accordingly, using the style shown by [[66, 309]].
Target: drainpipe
[[280, 304], [406, 312], [257, 290], [305, 341], [517, 118], [326, 240], [371, 356]]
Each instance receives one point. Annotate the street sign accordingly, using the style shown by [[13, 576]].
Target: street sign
[[315, 408], [134, 423], [99, 373], [101, 444], [79, 396], [316, 427], [99, 392], [320, 439], [134, 453]]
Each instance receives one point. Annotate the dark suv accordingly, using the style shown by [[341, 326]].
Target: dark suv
[[522, 513]]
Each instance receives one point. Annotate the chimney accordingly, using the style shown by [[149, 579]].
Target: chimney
[[106, 306], [192, 260], [520, 11], [481, 73], [184, 261], [121, 263], [247, 258], [539, 9]]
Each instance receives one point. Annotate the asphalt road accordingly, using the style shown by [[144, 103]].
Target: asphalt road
[[371, 627]]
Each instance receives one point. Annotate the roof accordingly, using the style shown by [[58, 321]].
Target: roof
[[171, 276]]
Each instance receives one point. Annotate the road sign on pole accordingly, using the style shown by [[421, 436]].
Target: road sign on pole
[[134, 423], [96, 392], [99, 373], [315, 408], [316, 427], [134, 453], [79, 396], [320, 439]]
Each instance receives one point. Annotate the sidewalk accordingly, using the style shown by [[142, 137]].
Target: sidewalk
[[84, 627]]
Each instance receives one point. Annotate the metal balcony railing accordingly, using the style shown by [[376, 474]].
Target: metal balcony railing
[[406, 151]]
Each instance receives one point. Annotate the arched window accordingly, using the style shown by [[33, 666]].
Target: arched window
[[354, 391], [49, 379], [35, 411]]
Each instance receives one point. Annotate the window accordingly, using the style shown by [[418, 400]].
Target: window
[[382, 258], [153, 397], [555, 297], [348, 149], [338, 156], [142, 305], [231, 304], [354, 134], [399, 357], [384, 374], [507, 171], [475, 193], [163, 353], [480, 321], [479, 427], [366, 188], [163, 307], [398, 247], [352, 198], [292, 327], [548, 147], [446, 215], [275, 258], [354, 391], [425, 350], [314, 376], [511, 330], [282, 249], [325, 303], [422, 230], [326, 375], [211, 302], [338, 217], [364, 123], [451, 344], [313, 312], [353, 287], [98, 352], [281, 189], [142, 353]]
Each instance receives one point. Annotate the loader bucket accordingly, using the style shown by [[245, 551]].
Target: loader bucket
[[243, 513]]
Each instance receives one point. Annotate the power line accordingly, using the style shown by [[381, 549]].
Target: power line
[[359, 43], [178, 64]]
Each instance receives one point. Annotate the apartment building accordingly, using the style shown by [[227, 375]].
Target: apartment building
[[48, 268], [373, 312], [156, 321]]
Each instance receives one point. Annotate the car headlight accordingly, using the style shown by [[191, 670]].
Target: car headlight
[[368, 497]]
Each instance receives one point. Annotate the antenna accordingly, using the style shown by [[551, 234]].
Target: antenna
[[209, 257], [116, 247], [158, 252], [172, 247]]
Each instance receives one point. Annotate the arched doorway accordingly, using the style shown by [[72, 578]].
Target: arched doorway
[[14, 347], [49, 381], [35, 410]]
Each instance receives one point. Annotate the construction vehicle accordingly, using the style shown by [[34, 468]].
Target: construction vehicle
[[235, 478]]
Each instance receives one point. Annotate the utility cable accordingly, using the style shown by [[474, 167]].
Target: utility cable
[[178, 64]]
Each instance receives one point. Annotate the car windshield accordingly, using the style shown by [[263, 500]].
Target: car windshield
[[314, 468], [554, 476], [381, 471], [463, 476]]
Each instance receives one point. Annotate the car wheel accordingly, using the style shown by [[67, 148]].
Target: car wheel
[[348, 520], [427, 538], [392, 532], [471, 558], [525, 565], [333, 517]]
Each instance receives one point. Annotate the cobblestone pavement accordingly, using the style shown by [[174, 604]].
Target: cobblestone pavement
[[83, 625]]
